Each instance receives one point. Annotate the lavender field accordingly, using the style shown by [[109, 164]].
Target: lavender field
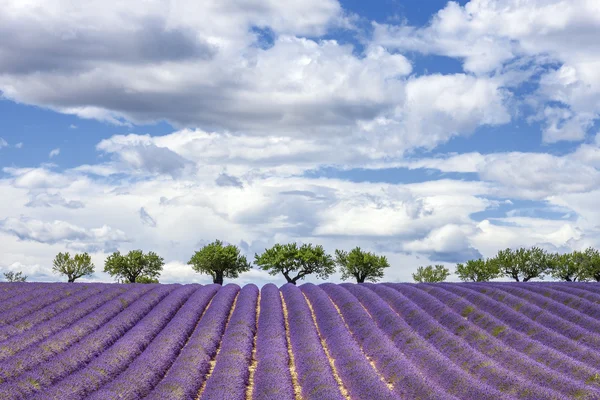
[[330, 341]]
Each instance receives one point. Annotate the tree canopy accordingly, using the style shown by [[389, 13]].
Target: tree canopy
[[591, 264], [134, 265], [15, 276], [568, 267], [430, 273], [522, 264], [295, 262], [360, 265], [74, 268], [219, 261], [479, 270]]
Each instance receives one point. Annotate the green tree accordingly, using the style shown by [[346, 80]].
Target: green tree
[[219, 261], [431, 273], [15, 276], [523, 264], [591, 264], [74, 268], [568, 267], [145, 279], [479, 270], [134, 265], [360, 265], [296, 262]]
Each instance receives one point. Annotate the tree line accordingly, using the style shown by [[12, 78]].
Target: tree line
[[295, 262], [522, 265], [220, 261]]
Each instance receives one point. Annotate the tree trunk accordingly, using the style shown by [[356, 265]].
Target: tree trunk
[[132, 279], [360, 279], [218, 278], [71, 280]]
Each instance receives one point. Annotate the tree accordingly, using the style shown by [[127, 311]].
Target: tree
[[219, 261], [15, 276], [296, 262], [522, 264], [134, 265], [591, 264], [145, 279], [568, 267], [431, 274], [477, 270], [74, 268], [360, 265]]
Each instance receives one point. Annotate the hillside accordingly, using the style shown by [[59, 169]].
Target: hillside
[[331, 341]]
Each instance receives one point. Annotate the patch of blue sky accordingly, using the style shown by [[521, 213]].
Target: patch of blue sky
[[523, 208], [41, 130], [388, 175]]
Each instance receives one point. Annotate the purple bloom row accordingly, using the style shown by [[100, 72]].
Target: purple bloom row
[[81, 353], [60, 341], [405, 378], [42, 299], [16, 302], [137, 380], [315, 375], [31, 320], [359, 377], [17, 343], [188, 372], [581, 299], [117, 357], [507, 325], [481, 353], [230, 375], [557, 315], [430, 360], [272, 378], [8, 290]]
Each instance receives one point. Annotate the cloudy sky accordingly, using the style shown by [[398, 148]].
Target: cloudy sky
[[430, 131]]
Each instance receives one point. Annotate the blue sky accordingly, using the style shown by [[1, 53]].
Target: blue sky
[[431, 132]]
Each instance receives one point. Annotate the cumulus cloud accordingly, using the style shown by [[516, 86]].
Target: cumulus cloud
[[146, 218], [54, 153], [3, 143], [37, 178], [47, 199], [228, 180], [56, 231], [554, 40], [19, 145]]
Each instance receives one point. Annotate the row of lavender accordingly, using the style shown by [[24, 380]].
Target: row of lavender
[[378, 341]]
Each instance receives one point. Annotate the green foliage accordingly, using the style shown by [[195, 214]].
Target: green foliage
[[301, 261], [360, 265], [219, 261], [568, 267], [477, 270], [74, 268], [141, 279], [134, 265], [591, 264], [431, 273], [523, 264], [15, 276]]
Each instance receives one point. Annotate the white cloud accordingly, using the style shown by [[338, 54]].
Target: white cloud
[[521, 39], [3, 143], [63, 232], [19, 145], [37, 178], [54, 153]]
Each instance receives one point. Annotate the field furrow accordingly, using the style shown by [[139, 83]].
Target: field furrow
[[384, 341]]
